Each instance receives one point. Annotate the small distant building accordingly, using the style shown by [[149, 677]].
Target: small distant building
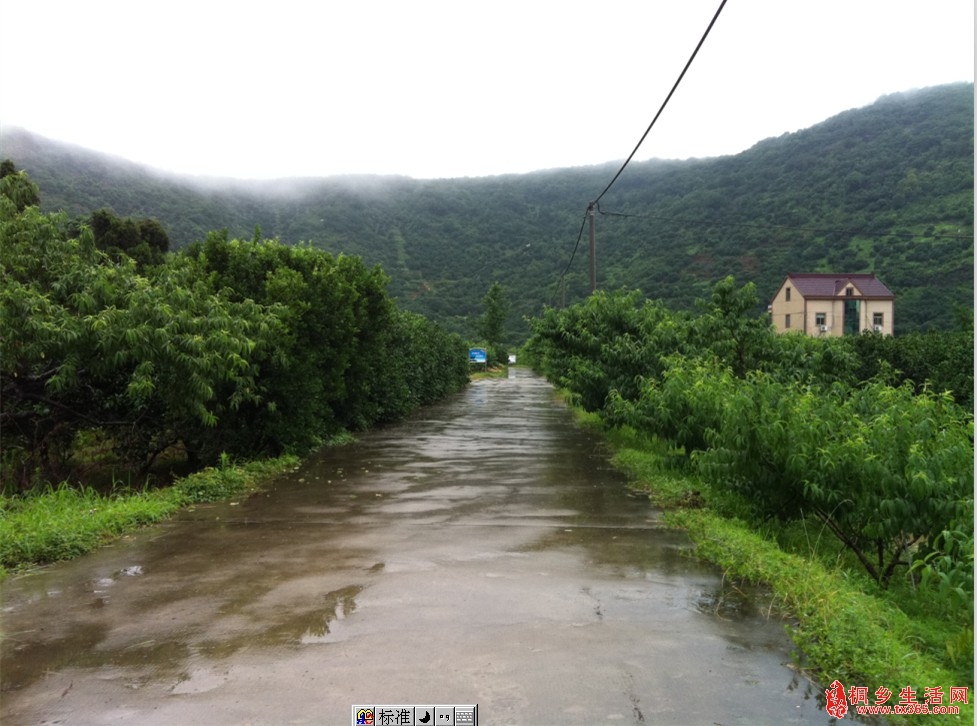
[[832, 304]]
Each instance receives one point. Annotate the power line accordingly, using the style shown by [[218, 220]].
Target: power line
[[572, 254], [665, 103], [579, 237]]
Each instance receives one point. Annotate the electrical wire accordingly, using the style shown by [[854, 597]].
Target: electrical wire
[[665, 103], [563, 274], [579, 237]]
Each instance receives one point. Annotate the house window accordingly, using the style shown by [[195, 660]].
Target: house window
[[849, 291], [877, 319], [787, 320], [787, 293], [820, 319]]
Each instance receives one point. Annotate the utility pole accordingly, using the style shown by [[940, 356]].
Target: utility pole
[[593, 247]]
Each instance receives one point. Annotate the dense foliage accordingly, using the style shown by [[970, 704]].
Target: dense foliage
[[800, 427], [18, 187], [941, 362], [143, 240], [885, 189], [244, 348], [347, 358], [491, 326]]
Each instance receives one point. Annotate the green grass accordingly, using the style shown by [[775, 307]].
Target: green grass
[[477, 373], [844, 626], [57, 523]]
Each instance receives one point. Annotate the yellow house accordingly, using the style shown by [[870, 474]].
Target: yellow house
[[832, 304]]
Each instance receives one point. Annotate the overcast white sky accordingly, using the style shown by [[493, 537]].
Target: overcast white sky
[[258, 89]]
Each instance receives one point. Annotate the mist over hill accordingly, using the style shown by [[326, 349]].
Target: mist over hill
[[887, 189]]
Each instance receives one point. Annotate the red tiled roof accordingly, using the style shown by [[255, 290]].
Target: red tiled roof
[[832, 284]]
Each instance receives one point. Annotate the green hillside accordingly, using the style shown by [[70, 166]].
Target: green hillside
[[885, 189]]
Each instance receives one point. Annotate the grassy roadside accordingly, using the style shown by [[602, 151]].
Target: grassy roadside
[[499, 371], [57, 523], [845, 627]]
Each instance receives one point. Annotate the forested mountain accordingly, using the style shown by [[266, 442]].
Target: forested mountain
[[885, 189]]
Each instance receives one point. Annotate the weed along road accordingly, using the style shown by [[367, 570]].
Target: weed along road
[[483, 552]]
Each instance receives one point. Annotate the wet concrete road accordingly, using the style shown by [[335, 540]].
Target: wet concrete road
[[483, 552]]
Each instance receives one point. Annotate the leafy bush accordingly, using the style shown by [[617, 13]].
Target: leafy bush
[[940, 360], [885, 469], [89, 343], [610, 342], [683, 406], [345, 358]]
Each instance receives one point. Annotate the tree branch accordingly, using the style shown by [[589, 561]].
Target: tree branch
[[848, 542]]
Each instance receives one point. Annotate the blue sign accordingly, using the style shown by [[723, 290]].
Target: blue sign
[[477, 355]]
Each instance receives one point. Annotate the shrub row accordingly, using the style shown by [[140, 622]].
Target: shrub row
[[250, 348]]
